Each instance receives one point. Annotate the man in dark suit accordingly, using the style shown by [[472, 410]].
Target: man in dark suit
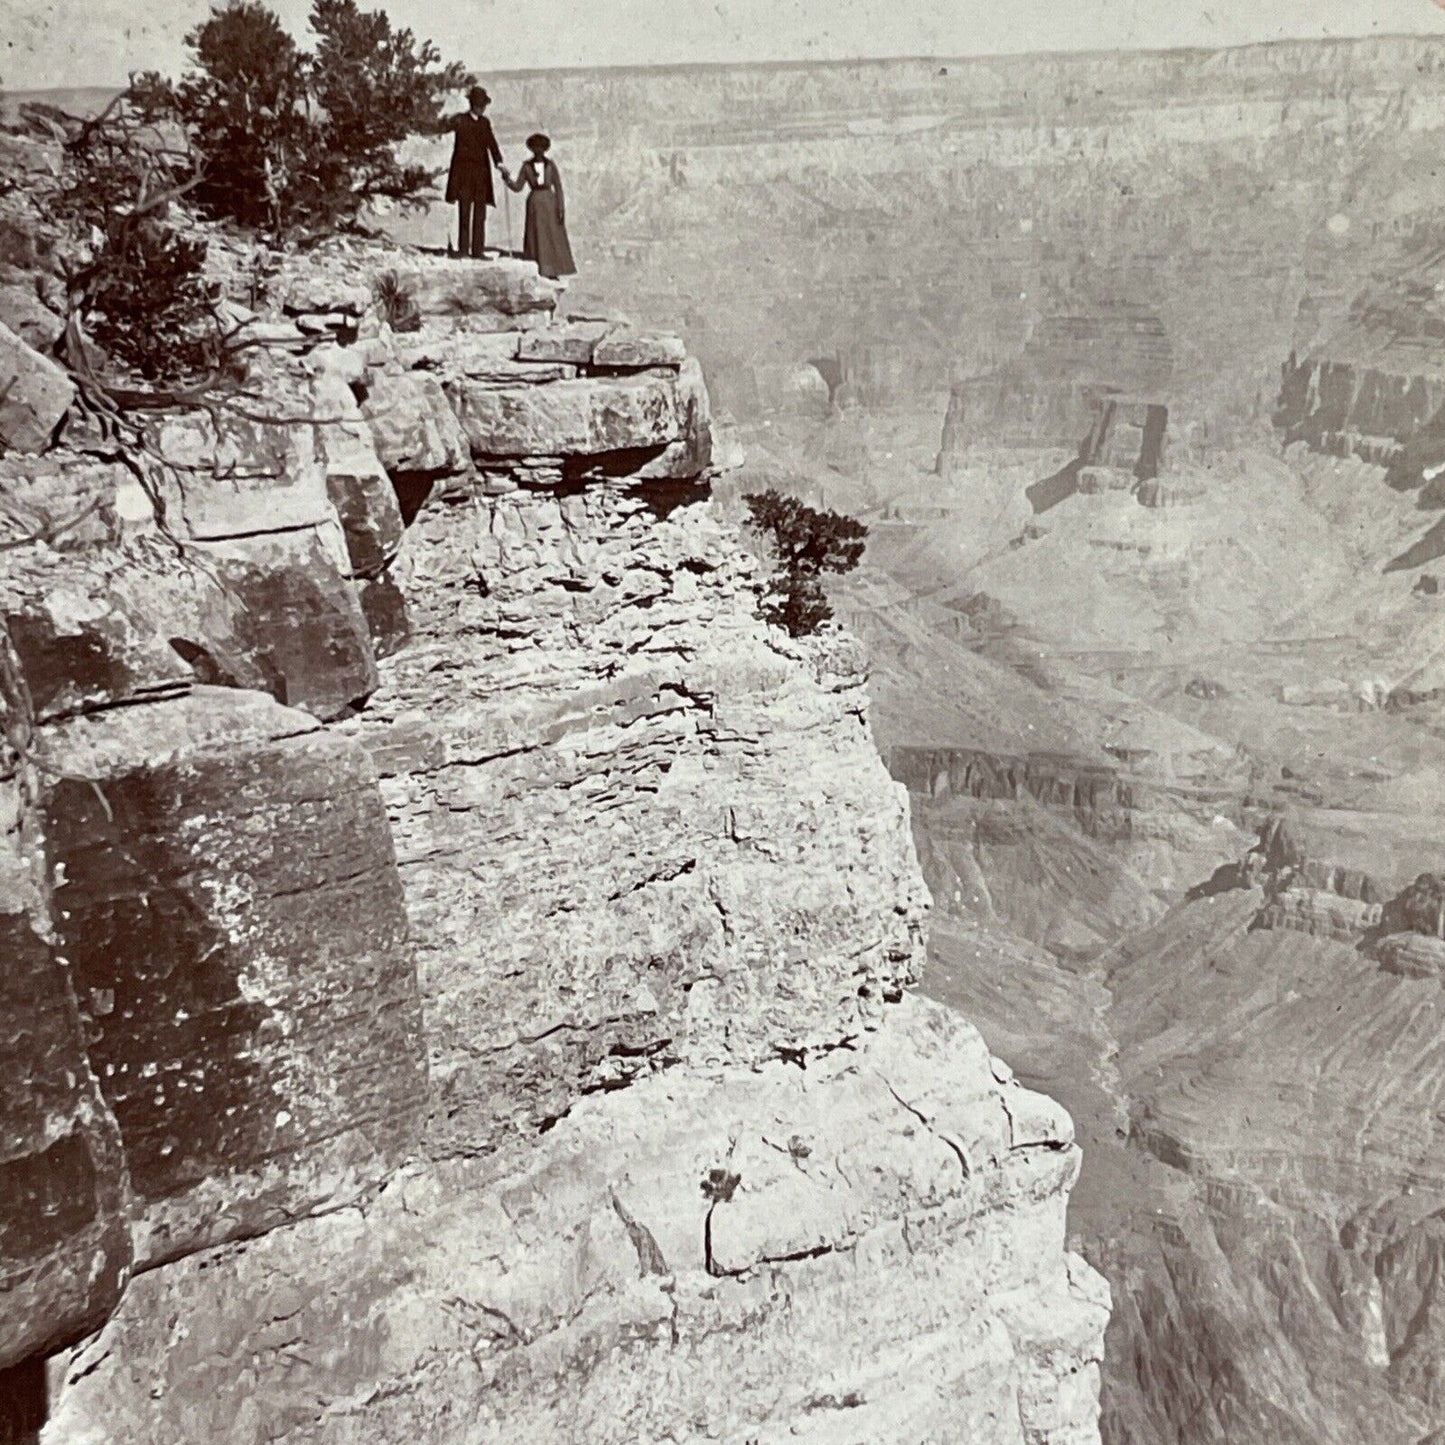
[[469, 181]]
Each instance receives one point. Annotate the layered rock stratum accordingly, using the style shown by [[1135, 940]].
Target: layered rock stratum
[[459, 959]]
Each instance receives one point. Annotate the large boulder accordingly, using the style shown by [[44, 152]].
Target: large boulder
[[97, 628], [570, 418], [35, 393], [293, 625], [237, 476], [86, 635], [71, 502], [227, 899], [413, 426], [22, 310]]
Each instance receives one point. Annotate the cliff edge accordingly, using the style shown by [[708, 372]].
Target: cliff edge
[[457, 955]]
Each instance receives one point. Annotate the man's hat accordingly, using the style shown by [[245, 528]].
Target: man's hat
[[477, 96]]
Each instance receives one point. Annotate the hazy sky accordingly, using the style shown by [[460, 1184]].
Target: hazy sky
[[97, 42]]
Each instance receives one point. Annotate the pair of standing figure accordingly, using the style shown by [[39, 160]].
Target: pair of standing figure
[[469, 187]]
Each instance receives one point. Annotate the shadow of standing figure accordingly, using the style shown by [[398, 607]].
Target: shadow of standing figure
[[545, 240]]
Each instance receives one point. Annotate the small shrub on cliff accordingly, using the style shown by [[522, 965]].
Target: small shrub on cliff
[[1420, 908], [806, 543], [297, 140], [135, 278], [398, 304]]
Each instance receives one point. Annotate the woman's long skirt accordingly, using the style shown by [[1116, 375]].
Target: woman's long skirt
[[545, 240]]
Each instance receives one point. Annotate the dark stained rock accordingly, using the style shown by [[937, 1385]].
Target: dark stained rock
[[297, 629], [65, 1249], [384, 607], [228, 901]]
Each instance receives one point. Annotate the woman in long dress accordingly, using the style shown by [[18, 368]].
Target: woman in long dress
[[545, 240]]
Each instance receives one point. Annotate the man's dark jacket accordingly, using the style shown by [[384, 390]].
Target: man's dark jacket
[[470, 176]]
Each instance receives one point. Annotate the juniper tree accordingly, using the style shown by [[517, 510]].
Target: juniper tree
[[303, 141], [806, 543]]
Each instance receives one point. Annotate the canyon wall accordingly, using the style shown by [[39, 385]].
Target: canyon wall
[[461, 959]]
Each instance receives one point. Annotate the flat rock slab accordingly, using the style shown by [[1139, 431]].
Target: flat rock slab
[[65, 1248], [638, 350], [341, 275], [569, 418], [572, 343], [443, 286], [35, 393], [228, 901]]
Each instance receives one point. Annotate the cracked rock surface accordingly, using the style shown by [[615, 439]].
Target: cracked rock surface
[[478, 948]]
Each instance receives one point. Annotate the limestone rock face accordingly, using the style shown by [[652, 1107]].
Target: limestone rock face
[[727, 1255], [65, 1250], [671, 871], [234, 926], [34, 394], [502, 1029]]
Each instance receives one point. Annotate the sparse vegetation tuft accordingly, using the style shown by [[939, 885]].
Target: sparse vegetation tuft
[[397, 302]]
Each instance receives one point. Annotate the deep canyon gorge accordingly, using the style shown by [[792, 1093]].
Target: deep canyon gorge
[[589, 1040]]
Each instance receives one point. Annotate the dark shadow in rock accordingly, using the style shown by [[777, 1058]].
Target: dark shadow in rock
[[1427, 549], [384, 607], [664, 497], [208, 668], [24, 1402], [1227, 878], [624, 462], [1055, 489], [412, 491]]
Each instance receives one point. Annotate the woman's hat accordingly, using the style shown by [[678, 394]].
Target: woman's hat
[[477, 96], [539, 142]]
